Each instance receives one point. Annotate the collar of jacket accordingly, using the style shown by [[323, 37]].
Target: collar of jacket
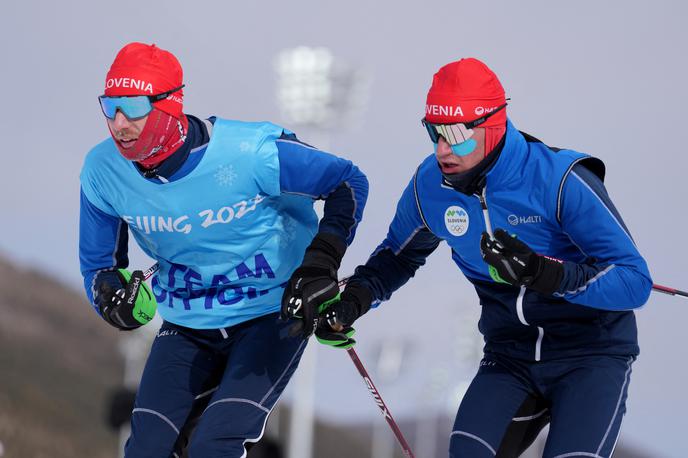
[[196, 135], [471, 181]]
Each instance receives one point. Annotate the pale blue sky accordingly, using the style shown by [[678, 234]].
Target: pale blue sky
[[604, 77]]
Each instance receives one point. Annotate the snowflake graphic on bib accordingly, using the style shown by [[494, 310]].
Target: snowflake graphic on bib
[[225, 175]]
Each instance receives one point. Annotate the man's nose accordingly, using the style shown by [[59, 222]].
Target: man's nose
[[443, 147], [120, 122]]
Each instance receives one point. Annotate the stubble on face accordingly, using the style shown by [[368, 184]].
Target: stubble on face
[[124, 131]]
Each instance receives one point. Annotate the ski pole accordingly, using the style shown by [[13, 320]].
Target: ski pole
[[148, 273], [380, 403], [376, 394], [669, 291], [298, 326]]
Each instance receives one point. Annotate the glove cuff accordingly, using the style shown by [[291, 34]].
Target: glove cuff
[[326, 250], [360, 296], [549, 276]]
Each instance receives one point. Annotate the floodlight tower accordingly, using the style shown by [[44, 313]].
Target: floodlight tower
[[316, 93]]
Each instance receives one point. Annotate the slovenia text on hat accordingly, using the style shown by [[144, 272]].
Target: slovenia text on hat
[[141, 69], [463, 91]]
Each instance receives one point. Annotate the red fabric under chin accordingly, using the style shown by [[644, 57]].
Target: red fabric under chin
[[161, 136], [493, 135]]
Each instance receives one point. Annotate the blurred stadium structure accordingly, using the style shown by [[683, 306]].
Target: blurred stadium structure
[[316, 93]]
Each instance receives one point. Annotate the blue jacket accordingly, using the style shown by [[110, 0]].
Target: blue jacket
[[554, 201]]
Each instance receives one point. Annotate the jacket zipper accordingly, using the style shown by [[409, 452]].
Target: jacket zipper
[[486, 215], [522, 292]]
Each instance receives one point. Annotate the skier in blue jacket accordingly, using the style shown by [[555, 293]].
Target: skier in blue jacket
[[554, 266], [226, 209]]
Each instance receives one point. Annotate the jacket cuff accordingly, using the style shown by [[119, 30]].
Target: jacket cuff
[[326, 250], [359, 295]]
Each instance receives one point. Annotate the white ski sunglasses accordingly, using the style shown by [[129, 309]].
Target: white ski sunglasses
[[458, 132]]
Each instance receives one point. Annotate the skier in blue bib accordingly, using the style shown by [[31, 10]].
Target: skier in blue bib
[[226, 209], [554, 266]]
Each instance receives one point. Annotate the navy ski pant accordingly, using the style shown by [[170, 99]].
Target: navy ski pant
[[584, 398], [235, 374]]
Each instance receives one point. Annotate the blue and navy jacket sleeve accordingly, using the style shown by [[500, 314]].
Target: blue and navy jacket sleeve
[[615, 275], [103, 242], [407, 245], [307, 171]]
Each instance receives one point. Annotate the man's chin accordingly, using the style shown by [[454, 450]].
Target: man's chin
[[131, 153]]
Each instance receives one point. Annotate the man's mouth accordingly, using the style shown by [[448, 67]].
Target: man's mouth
[[448, 167], [127, 142]]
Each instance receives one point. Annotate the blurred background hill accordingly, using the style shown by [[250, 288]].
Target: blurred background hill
[[58, 364]]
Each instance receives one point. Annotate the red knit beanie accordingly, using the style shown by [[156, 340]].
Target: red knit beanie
[[141, 69], [463, 91]]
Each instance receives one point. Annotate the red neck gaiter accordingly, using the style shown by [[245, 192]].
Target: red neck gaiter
[[161, 136], [493, 135]]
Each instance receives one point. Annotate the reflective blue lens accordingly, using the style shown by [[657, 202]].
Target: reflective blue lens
[[453, 134], [464, 148], [132, 107]]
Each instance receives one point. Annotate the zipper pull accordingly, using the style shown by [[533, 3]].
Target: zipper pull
[[483, 204], [486, 215]]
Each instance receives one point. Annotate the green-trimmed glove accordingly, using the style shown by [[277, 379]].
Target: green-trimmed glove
[[131, 305], [325, 333], [313, 283], [334, 327], [342, 339]]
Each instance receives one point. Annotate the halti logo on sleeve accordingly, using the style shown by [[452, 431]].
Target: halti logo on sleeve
[[456, 220], [515, 220]]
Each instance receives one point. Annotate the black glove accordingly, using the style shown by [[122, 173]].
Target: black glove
[[516, 263], [334, 327], [124, 299], [313, 283]]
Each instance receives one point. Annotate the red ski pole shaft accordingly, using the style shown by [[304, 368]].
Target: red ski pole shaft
[[670, 291], [380, 403], [148, 273], [376, 394]]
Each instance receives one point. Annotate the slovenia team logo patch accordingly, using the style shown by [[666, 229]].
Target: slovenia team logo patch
[[456, 220]]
